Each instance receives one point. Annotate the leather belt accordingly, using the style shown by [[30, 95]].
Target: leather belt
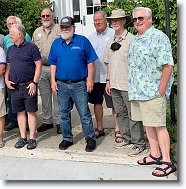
[[23, 84], [71, 81]]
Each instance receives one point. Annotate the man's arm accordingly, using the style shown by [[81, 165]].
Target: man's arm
[[2, 69], [90, 78], [33, 86], [166, 73], [53, 78], [107, 88], [7, 74]]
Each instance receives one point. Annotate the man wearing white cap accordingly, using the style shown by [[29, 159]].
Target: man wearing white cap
[[116, 58]]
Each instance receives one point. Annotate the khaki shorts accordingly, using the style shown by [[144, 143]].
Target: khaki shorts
[[2, 103], [151, 112]]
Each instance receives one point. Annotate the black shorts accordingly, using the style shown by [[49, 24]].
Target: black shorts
[[96, 96], [22, 101]]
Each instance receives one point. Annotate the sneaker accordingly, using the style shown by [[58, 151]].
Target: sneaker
[[58, 129], [21, 143], [136, 151], [31, 144], [122, 144], [91, 145], [2, 143], [10, 126], [44, 127], [65, 144]]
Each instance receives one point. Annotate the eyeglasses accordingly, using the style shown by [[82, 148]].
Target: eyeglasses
[[140, 18], [45, 15]]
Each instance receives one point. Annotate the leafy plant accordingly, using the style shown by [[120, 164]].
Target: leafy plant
[[28, 10]]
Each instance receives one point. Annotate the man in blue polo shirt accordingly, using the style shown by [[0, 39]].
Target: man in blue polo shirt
[[72, 68]]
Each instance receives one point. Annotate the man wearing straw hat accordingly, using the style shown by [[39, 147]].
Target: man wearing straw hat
[[116, 59]]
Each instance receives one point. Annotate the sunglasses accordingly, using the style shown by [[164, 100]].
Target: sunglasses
[[138, 18], [45, 15]]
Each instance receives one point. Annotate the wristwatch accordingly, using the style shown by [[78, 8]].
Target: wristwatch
[[34, 83], [107, 80]]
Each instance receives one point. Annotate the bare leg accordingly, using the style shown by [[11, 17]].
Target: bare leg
[[2, 124], [98, 110], [32, 123], [22, 120], [153, 142], [164, 142]]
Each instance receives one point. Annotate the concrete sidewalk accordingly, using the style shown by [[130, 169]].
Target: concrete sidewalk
[[47, 162]]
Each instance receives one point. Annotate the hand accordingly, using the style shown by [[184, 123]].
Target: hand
[[32, 89], [161, 91], [54, 86], [107, 88], [9, 84], [90, 85]]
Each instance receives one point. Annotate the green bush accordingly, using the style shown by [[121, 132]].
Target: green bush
[[28, 10]]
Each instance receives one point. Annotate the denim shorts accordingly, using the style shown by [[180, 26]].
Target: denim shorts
[[151, 112], [96, 96], [22, 101]]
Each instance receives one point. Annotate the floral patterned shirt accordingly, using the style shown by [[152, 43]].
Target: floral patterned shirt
[[147, 54]]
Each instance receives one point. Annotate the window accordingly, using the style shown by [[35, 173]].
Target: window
[[95, 5]]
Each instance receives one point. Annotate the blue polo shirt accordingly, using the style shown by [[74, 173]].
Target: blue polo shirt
[[22, 61], [71, 60]]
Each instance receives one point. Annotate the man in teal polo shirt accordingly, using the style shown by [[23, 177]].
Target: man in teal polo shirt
[[71, 61]]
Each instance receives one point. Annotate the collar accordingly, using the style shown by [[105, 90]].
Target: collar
[[146, 33], [102, 33], [20, 45]]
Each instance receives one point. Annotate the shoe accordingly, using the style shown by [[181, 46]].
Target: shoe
[[118, 137], [136, 151], [10, 126], [2, 143], [122, 144], [154, 160], [21, 143], [99, 133], [58, 129], [91, 145], [31, 144], [164, 170], [65, 144], [44, 127]]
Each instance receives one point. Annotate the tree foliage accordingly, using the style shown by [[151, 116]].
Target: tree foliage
[[28, 10], [158, 12]]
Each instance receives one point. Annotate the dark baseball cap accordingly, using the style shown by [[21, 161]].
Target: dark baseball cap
[[67, 21]]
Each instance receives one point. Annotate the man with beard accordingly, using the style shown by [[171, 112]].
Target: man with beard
[[43, 38], [72, 69]]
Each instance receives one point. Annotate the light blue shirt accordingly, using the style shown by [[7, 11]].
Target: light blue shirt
[[99, 42], [147, 55]]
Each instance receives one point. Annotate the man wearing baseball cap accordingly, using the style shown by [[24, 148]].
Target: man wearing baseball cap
[[116, 58], [71, 61]]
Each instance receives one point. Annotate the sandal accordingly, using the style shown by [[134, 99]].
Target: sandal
[[169, 165], [99, 133], [118, 137], [156, 160]]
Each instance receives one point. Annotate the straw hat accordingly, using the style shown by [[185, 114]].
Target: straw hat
[[120, 13]]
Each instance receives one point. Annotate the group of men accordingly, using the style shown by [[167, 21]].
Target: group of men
[[70, 69]]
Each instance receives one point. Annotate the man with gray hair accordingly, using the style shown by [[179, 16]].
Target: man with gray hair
[[99, 40], [43, 38], [22, 75], [150, 52], [11, 121]]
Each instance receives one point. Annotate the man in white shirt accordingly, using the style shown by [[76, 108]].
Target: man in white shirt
[[99, 41]]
